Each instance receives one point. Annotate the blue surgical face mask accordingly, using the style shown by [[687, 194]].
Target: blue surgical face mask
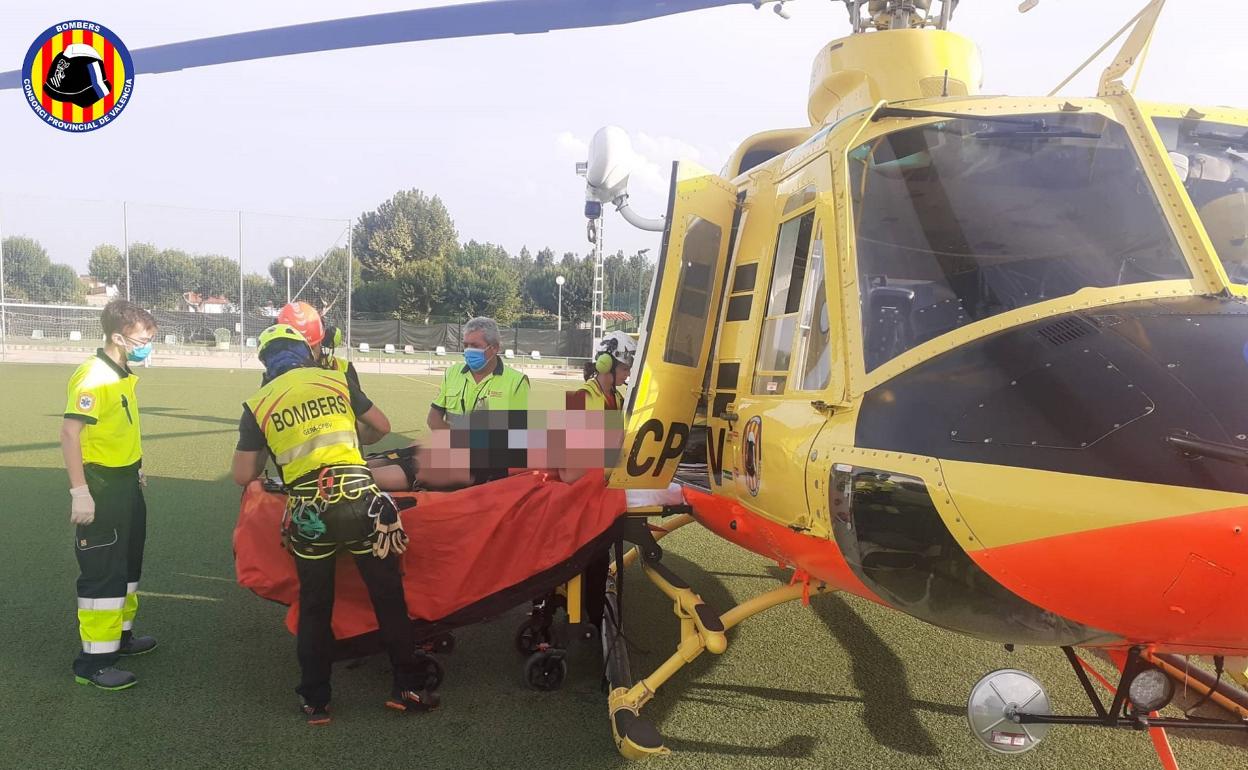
[[138, 354], [475, 357]]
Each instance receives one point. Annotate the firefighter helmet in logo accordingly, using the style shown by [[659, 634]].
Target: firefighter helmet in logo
[[78, 76]]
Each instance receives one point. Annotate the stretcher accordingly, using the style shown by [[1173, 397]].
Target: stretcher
[[474, 553]]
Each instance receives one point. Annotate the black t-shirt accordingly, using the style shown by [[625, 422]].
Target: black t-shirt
[[251, 438]]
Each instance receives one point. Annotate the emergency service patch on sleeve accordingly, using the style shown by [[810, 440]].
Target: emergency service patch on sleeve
[[86, 402]]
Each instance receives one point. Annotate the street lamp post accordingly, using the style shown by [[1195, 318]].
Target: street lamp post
[[559, 280], [641, 276], [288, 263]]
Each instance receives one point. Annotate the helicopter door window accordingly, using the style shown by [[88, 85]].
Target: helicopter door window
[[814, 337], [1212, 161], [962, 219], [693, 293], [775, 345]]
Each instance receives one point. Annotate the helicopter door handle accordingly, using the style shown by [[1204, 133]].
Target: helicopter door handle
[[821, 406], [730, 417]]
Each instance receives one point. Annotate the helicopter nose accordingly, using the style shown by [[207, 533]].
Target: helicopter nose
[[1178, 582]]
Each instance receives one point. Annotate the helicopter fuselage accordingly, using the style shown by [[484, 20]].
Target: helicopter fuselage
[[983, 366]]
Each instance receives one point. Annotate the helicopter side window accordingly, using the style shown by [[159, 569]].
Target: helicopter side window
[[1212, 161], [961, 220], [775, 344], [693, 293]]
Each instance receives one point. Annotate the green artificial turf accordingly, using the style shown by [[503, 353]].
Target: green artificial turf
[[839, 684]]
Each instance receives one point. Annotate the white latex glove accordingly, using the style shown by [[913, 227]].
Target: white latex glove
[[82, 506], [142, 479]]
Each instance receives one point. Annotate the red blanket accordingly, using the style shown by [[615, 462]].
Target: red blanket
[[465, 545]]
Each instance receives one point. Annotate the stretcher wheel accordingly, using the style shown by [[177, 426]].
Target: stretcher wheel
[[430, 671], [439, 643], [546, 670], [531, 636]]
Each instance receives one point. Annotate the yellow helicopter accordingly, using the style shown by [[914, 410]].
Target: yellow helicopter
[[977, 358], [980, 359]]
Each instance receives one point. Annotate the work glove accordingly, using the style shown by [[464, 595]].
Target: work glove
[[82, 506], [142, 479], [389, 528]]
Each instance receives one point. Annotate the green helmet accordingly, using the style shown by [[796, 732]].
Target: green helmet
[[279, 332]]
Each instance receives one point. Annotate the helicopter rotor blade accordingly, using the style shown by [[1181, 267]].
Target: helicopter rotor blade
[[487, 17]]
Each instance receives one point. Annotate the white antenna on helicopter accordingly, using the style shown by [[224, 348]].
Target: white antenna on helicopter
[[1133, 51]]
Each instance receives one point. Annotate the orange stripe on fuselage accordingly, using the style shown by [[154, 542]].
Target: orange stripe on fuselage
[[818, 557], [1178, 582]]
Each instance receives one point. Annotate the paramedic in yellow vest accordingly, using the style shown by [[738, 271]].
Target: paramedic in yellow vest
[[306, 418], [483, 382], [609, 369], [103, 455]]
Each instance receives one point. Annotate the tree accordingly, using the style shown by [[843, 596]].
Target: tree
[[26, 263], [258, 291], [476, 286], [421, 285], [321, 282], [578, 288], [216, 276], [160, 278], [62, 286], [545, 258], [108, 266], [410, 227], [378, 297]]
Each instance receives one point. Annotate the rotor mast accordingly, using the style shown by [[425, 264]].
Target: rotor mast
[[880, 15]]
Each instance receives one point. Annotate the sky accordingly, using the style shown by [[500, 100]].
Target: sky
[[493, 125]]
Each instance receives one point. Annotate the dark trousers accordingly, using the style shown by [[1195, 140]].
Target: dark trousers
[[110, 560], [316, 606]]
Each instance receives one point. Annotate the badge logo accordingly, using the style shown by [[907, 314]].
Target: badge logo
[[86, 401], [77, 76], [752, 453]]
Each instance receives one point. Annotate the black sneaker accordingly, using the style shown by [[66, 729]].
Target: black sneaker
[[137, 645], [109, 679], [316, 715], [413, 700]]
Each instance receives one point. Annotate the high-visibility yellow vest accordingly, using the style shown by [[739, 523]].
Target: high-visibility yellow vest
[[101, 395], [504, 389], [596, 399], [307, 421]]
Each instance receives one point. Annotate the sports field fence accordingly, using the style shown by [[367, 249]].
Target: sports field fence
[[213, 279]]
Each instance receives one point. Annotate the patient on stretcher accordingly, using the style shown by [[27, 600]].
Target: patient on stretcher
[[488, 445]]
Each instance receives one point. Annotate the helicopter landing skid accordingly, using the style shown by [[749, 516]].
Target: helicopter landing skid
[[1008, 710], [702, 629]]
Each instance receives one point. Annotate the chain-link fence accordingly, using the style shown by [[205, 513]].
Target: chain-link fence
[[213, 279]]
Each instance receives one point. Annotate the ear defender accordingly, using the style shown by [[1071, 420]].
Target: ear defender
[[604, 363]]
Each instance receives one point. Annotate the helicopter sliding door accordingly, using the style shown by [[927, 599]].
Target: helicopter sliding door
[[777, 412], [676, 339]]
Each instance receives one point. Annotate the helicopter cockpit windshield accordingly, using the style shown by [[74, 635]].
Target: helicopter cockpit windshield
[[1212, 161], [963, 219]]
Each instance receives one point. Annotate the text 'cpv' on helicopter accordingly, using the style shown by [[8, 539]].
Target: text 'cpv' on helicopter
[[981, 359]]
